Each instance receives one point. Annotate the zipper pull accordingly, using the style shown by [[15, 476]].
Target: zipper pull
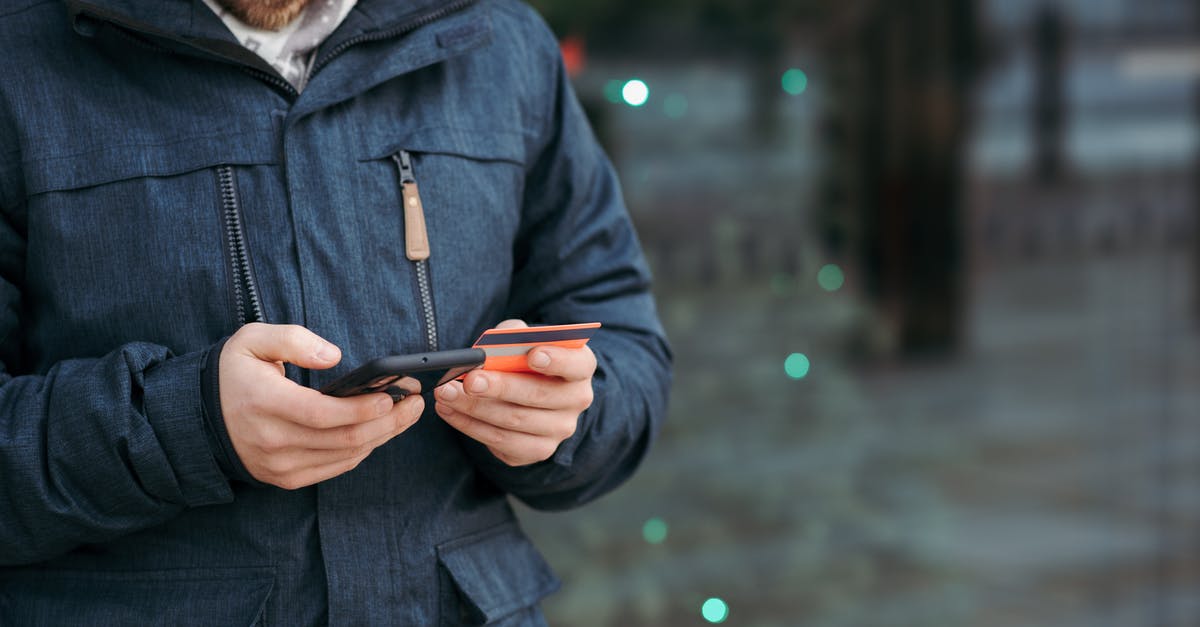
[[416, 238]]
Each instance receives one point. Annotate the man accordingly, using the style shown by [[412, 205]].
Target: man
[[196, 237]]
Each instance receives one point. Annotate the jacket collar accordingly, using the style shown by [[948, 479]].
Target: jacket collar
[[192, 19], [190, 27]]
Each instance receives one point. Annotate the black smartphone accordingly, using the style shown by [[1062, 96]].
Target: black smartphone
[[387, 374]]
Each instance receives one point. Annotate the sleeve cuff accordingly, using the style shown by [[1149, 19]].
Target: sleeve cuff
[[173, 407], [214, 420]]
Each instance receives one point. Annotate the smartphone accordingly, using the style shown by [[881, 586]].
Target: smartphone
[[395, 373]]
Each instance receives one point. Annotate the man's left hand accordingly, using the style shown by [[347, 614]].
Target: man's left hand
[[522, 417]]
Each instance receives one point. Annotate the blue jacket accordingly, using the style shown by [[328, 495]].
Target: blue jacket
[[160, 186]]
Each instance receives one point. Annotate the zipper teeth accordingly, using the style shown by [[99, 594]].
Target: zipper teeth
[[399, 30], [431, 335], [243, 280], [404, 164]]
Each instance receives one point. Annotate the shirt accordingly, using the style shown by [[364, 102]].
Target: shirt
[[290, 50]]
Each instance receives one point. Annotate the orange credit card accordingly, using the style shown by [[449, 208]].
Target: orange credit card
[[507, 348]]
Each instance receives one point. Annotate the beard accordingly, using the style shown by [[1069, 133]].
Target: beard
[[265, 14]]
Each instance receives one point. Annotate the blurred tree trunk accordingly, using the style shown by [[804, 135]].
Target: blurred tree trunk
[[902, 112]]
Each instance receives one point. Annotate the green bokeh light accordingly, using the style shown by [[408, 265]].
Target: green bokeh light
[[675, 106], [795, 81], [655, 531], [830, 277], [612, 91], [714, 610], [796, 365]]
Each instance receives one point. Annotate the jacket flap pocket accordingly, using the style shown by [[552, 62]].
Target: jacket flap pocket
[[118, 161], [498, 571], [472, 143], [228, 596]]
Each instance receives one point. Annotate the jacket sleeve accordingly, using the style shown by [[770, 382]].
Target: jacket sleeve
[[577, 259], [94, 448]]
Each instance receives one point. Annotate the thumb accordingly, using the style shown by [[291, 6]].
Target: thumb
[[512, 323], [287, 343]]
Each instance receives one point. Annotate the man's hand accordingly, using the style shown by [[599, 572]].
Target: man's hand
[[522, 418], [289, 435]]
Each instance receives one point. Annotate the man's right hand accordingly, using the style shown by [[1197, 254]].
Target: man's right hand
[[289, 435]]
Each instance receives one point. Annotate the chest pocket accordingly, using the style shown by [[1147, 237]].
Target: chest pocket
[[468, 185], [151, 243]]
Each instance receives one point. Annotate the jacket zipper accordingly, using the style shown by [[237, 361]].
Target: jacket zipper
[[245, 291], [416, 244]]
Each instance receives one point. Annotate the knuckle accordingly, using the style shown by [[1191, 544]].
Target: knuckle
[[313, 417], [497, 438], [272, 441], [513, 419], [545, 450], [352, 463], [289, 482], [566, 429], [539, 394], [586, 396], [247, 331], [355, 437]]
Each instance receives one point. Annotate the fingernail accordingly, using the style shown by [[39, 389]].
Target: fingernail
[[478, 384], [443, 410], [447, 392], [539, 359]]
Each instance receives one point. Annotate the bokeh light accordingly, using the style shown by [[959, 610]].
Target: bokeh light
[[612, 91], [714, 610], [796, 365], [795, 81], [655, 531], [830, 277], [675, 106], [635, 93]]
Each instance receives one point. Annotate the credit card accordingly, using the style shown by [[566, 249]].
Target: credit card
[[506, 348]]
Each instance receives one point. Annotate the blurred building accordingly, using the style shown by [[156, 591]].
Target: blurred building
[[1010, 185]]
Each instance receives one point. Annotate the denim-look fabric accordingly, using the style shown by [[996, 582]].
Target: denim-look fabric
[[116, 117]]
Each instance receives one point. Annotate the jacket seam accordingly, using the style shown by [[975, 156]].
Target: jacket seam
[[173, 142]]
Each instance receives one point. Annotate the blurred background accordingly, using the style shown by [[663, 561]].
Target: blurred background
[[929, 268]]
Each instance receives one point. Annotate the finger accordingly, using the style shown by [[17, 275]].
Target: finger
[[365, 435], [318, 474], [513, 447], [558, 425], [529, 390], [572, 364], [310, 408], [512, 323], [297, 459], [288, 343]]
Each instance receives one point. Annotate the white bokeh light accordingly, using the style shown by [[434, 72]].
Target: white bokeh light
[[635, 93]]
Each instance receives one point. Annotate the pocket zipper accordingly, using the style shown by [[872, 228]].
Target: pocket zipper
[[416, 243], [245, 291]]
